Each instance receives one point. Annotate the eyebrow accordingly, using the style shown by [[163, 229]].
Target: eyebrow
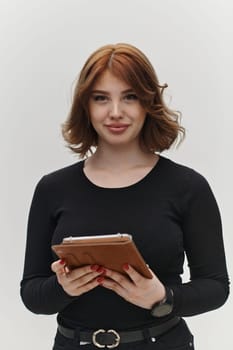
[[107, 92]]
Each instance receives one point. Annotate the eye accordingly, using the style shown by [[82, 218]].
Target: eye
[[99, 98], [131, 97]]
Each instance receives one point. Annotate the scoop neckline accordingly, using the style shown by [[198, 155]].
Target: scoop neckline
[[153, 170]]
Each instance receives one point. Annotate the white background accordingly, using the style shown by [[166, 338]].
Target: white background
[[43, 45]]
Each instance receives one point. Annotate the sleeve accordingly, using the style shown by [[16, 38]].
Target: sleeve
[[208, 287], [40, 291]]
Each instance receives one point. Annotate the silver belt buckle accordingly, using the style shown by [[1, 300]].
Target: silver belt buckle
[[114, 345]]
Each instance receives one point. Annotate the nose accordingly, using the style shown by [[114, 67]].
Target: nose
[[116, 110]]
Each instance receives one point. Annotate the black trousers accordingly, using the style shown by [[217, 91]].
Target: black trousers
[[177, 338]]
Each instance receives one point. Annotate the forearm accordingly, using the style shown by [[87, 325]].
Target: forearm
[[199, 296], [44, 295]]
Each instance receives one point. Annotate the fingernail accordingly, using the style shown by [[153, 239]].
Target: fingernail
[[104, 272], [62, 262], [100, 279], [100, 269], [94, 267], [126, 267]]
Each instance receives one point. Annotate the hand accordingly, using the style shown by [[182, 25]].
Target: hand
[[77, 281], [135, 288]]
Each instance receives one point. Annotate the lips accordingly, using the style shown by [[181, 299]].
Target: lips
[[117, 125], [117, 128]]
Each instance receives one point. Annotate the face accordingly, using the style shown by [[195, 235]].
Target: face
[[115, 111]]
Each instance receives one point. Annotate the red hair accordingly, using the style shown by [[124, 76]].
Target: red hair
[[161, 128]]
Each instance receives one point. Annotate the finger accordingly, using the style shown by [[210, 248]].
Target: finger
[[114, 286], [75, 279], [75, 290], [58, 266], [135, 276], [154, 276], [82, 281], [119, 278], [152, 272], [82, 271], [89, 286]]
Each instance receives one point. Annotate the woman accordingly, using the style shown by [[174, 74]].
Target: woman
[[119, 124]]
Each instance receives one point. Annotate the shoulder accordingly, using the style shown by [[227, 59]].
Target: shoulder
[[183, 175], [61, 176], [188, 185]]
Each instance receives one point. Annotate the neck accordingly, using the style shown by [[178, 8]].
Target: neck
[[120, 158]]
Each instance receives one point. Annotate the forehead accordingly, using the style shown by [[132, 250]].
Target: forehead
[[110, 82]]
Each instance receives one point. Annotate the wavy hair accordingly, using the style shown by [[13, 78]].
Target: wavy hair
[[161, 127]]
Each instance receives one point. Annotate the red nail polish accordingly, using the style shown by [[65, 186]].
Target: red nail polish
[[100, 279], [126, 267], [62, 262], [100, 269], [104, 272], [94, 267]]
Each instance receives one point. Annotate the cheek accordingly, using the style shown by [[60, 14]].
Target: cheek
[[141, 117], [97, 113]]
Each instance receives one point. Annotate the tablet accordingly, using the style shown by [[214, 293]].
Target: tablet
[[111, 251]]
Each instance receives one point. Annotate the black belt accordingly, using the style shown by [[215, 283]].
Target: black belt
[[111, 338]]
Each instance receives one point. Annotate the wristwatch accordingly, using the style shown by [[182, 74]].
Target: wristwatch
[[164, 307]]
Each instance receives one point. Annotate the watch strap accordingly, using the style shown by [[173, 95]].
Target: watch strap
[[165, 306]]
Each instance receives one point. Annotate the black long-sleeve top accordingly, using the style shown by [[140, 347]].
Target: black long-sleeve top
[[170, 212]]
